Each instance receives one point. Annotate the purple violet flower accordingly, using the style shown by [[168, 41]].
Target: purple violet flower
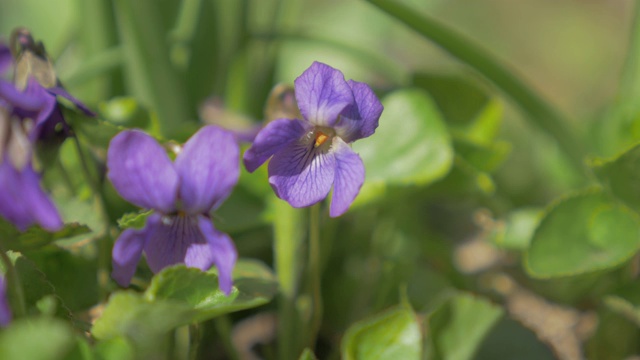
[[22, 200], [182, 193], [5, 310], [35, 74], [310, 155]]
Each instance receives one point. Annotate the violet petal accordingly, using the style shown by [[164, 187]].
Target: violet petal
[[322, 94], [360, 120], [271, 139], [349, 177], [19, 99], [6, 60], [301, 174], [141, 171], [126, 254], [42, 209], [209, 167], [170, 237], [223, 251]]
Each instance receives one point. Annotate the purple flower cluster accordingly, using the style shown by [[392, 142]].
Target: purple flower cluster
[[310, 155], [181, 193]]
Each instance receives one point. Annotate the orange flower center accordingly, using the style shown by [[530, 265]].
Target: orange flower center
[[321, 138]]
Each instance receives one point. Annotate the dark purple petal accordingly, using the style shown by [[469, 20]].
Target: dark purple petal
[[209, 167], [59, 91], [42, 209], [127, 252], [360, 120], [22, 200], [12, 207], [16, 98], [301, 174], [322, 94], [141, 171], [6, 60], [170, 238], [5, 310], [220, 248], [349, 177], [271, 139]]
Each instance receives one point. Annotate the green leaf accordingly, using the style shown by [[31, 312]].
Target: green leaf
[[516, 231], [459, 326], [179, 296], [458, 98], [135, 220], [36, 338], [621, 174], [583, 233], [394, 334], [117, 348], [484, 157], [410, 147], [35, 237], [307, 354]]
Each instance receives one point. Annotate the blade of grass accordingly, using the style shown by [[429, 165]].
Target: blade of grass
[[538, 111]]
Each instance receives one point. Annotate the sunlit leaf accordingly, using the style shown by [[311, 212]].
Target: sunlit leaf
[[394, 334], [622, 175], [516, 231], [458, 327], [180, 296], [410, 147], [36, 338], [582, 233]]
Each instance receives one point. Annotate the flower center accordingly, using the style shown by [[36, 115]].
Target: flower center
[[321, 137]]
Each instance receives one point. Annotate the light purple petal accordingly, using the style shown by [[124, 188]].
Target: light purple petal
[[209, 167], [349, 177], [301, 174], [42, 209], [6, 60], [59, 91], [361, 119], [127, 252], [271, 139], [221, 249], [170, 237], [322, 94], [141, 171], [5, 310]]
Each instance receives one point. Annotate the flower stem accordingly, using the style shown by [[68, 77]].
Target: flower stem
[[194, 341], [314, 273], [14, 282], [103, 246]]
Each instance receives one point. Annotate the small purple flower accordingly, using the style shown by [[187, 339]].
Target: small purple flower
[[5, 310], [182, 193], [35, 74], [312, 154], [22, 200]]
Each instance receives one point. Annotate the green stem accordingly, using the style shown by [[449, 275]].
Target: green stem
[[538, 110], [14, 282], [105, 241], [194, 341], [315, 273]]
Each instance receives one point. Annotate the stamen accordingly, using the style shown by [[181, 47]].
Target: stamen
[[321, 138]]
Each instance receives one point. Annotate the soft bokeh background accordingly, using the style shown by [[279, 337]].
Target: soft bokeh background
[[437, 243]]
